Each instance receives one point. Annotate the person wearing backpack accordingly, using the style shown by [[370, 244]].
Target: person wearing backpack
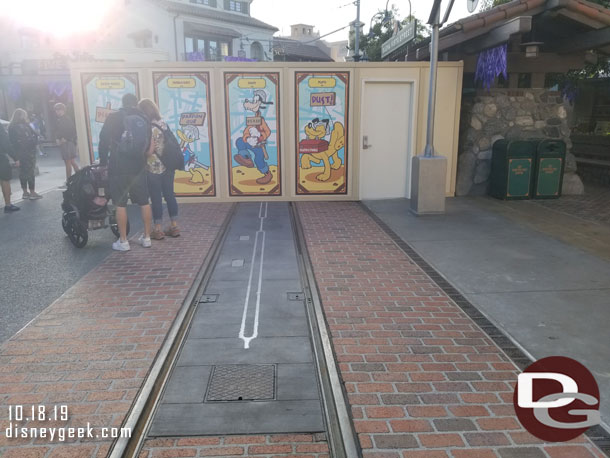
[[6, 171], [24, 141], [125, 141], [165, 158]]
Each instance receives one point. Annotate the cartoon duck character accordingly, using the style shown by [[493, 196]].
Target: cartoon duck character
[[188, 135], [254, 138], [316, 129], [337, 141]]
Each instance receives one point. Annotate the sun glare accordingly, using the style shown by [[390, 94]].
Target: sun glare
[[58, 17]]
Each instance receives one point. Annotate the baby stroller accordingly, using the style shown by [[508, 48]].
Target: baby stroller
[[85, 207]]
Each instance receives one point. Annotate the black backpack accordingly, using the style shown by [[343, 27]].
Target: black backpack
[[136, 136], [172, 157]]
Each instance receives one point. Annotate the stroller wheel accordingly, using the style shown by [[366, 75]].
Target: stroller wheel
[[114, 227], [77, 232], [65, 224]]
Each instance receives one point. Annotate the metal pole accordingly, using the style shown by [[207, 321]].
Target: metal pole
[[429, 151], [357, 31]]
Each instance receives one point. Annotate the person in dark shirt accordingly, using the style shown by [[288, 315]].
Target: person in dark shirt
[[6, 171], [66, 139], [24, 141], [126, 175]]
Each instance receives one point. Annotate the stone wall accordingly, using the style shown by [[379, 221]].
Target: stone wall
[[513, 114]]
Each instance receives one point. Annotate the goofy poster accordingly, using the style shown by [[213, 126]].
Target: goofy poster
[[251, 101]]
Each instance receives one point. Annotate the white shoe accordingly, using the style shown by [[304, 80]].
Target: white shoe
[[121, 246], [145, 241], [25, 196]]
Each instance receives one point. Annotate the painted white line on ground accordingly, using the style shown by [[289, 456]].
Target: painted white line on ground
[[260, 235]]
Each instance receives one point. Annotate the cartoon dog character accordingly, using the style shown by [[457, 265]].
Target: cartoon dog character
[[337, 141], [316, 129]]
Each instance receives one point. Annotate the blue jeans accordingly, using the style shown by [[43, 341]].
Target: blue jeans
[[244, 150], [161, 185]]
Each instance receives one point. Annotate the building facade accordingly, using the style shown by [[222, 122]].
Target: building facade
[[34, 65]]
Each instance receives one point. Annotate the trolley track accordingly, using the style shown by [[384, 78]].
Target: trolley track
[[336, 415]]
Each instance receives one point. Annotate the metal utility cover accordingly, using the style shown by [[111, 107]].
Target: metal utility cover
[[208, 298], [242, 382], [296, 296]]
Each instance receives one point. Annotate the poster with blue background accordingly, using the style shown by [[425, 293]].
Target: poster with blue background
[[253, 137], [184, 103], [103, 93], [322, 123]]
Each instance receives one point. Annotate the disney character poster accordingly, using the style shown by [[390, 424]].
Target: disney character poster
[[103, 94], [322, 104], [184, 103], [253, 136]]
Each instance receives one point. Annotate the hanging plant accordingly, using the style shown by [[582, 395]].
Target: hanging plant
[[491, 64]]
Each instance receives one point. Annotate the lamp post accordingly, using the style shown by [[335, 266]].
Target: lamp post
[[357, 32], [429, 171]]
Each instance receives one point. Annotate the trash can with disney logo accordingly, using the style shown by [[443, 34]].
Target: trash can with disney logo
[[549, 168], [511, 169]]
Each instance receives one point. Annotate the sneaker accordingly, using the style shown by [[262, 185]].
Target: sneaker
[[121, 246], [25, 196], [172, 231], [35, 196], [157, 235], [63, 186], [145, 241], [11, 208]]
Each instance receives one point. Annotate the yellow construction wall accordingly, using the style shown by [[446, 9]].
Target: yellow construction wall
[[287, 135]]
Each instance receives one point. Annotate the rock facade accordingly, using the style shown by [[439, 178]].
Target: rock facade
[[513, 114]]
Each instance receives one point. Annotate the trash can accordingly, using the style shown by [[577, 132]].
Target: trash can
[[550, 164], [511, 169]]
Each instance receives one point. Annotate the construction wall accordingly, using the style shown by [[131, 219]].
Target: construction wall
[[269, 131]]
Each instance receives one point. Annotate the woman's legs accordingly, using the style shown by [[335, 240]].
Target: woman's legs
[[156, 199], [170, 197], [68, 169], [74, 165]]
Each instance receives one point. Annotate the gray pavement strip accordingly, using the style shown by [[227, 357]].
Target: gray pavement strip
[[195, 401]]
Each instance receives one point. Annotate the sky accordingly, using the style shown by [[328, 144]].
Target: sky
[[329, 15]]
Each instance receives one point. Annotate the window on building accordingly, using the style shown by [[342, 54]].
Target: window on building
[[206, 48], [524, 81], [240, 7], [29, 41], [205, 2], [257, 52], [551, 81]]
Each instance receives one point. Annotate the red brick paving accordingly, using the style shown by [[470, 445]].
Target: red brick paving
[[92, 348], [260, 446], [423, 380]]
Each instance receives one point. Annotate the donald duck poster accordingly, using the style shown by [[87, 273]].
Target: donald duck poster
[[184, 103]]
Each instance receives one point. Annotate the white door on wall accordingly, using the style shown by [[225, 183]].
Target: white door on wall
[[385, 142]]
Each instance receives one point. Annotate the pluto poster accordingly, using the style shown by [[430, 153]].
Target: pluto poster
[[322, 104]]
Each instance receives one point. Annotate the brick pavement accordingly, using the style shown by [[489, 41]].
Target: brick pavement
[[423, 380], [260, 446], [591, 206], [92, 348]]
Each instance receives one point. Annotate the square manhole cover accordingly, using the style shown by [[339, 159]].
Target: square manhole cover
[[242, 382]]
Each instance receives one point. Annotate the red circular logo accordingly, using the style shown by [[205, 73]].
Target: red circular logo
[[557, 399]]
